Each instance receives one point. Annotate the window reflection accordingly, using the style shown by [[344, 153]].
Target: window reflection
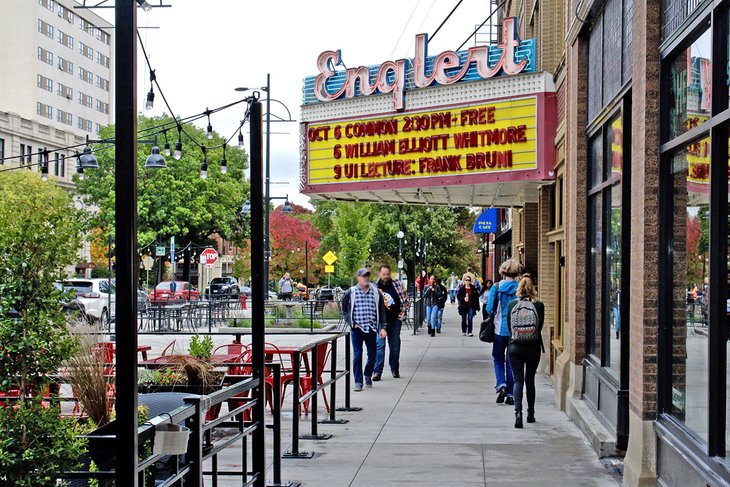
[[691, 216], [691, 86]]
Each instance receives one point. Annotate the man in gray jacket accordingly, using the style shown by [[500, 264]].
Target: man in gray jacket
[[364, 313]]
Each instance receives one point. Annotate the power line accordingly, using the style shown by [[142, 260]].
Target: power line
[[431, 37], [404, 29]]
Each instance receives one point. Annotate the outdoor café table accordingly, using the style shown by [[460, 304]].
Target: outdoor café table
[[224, 358], [143, 349]]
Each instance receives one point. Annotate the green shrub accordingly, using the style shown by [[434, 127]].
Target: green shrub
[[201, 348]]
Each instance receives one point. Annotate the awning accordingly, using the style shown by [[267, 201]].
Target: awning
[[503, 238]]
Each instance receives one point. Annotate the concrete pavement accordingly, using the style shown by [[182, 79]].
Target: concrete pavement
[[439, 425]]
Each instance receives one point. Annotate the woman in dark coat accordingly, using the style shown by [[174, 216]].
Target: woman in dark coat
[[468, 298]]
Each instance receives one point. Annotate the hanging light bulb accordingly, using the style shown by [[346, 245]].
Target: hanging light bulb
[[204, 165], [149, 105], [79, 167], [177, 155], [240, 139], [44, 165], [209, 130], [145, 5], [167, 145], [224, 162]]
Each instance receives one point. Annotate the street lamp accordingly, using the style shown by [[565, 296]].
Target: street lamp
[[267, 198]]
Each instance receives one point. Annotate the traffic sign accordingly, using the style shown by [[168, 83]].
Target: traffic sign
[[160, 251], [148, 262], [329, 258], [330, 269], [209, 257]]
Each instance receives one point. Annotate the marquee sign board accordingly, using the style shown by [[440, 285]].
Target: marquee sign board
[[510, 57]]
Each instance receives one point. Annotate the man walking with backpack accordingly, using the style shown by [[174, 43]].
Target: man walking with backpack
[[525, 318], [364, 313], [395, 299]]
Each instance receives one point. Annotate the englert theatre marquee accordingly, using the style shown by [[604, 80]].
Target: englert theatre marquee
[[467, 128]]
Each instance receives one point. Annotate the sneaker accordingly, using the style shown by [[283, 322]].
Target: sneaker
[[358, 387], [463, 334], [471, 334], [501, 394], [396, 374], [438, 331], [376, 377], [510, 401], [369, 383]]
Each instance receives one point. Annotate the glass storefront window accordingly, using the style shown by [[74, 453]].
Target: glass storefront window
[[690, 267], [691, 86], [605, 234], [595, 269]]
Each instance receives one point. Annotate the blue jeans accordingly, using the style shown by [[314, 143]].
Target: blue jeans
[[502, 367], [393, 346], [432, 316], [452, 295], [467, 321], [358, 337], [440, 317]]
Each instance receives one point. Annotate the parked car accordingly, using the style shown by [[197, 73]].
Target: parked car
[[325, 294], [167, 291], [223, 287], [247, 291], [95, 297]]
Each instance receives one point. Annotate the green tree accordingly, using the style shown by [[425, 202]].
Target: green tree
[[175, 201], [40, 234]]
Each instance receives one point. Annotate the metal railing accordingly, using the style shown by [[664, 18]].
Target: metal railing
[[201, 445], [193, 316]]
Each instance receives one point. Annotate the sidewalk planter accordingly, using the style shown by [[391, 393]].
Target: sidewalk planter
[[102, 446], [171, 439]]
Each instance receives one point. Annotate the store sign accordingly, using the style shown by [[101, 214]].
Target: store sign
[[487, 221], [510, 57], [496, 137]]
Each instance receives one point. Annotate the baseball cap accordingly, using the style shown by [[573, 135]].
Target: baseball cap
[[363, 272]]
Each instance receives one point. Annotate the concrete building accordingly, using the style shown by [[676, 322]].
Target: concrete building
[[56, 65]]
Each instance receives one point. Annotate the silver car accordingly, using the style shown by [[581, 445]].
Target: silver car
[[98, 297]]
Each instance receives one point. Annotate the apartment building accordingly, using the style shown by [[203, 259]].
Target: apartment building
[[55, 75]]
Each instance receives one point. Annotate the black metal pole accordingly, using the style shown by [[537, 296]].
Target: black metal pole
[[267, 197], [258, 330], [306, 282], [125, 166]]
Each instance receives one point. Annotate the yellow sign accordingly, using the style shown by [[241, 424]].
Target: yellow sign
[[329, 257], [498, 137], [329, 269]]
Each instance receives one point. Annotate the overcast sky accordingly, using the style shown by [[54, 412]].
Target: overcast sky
[[202, 50]]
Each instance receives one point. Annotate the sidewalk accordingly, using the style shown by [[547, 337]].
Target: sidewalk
[[439, 425]]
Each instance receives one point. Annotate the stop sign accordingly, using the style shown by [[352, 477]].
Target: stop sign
[[209, 257]]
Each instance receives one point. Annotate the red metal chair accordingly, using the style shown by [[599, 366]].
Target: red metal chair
[[323, 353], [169, 349]]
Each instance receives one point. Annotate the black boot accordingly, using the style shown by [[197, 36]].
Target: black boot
[[501, 394], [518, 419], [530, 416]]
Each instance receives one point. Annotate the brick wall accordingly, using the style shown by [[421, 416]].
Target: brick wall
[[576, 203], [530, 225], [643, 317], [546, 266]]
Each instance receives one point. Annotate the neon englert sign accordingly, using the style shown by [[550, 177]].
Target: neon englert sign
[[448, 68]]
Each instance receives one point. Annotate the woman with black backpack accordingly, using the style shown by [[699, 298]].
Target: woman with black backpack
[[525, 318]]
